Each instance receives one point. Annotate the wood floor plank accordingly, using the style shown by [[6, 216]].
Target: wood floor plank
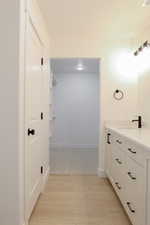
[[78, 200]]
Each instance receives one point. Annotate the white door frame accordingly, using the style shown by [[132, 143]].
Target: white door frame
[[100, 169]]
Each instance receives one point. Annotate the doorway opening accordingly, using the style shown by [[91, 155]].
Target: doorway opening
[[75, 116]]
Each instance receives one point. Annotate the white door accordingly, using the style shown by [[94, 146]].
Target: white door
[[33, 97]]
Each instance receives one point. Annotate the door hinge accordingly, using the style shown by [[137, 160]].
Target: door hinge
[[42, 116], [42, 61], [41, 169]]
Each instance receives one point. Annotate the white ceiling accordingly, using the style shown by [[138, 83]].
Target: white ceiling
[[70, 65], [101, 18]]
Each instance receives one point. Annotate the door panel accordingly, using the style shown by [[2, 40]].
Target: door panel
[[33, 107]]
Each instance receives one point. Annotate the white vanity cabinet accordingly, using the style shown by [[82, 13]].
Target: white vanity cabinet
[[127, 170]]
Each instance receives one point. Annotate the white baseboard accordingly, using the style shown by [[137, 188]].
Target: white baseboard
[[101, 173], [61, 146], [45, 178], [25, 223]]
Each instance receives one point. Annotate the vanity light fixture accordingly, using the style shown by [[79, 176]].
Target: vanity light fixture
[[140, 49], [146, 3], [146, 44], [136, 53]]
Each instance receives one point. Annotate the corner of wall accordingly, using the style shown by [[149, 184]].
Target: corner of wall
[[101, 173]]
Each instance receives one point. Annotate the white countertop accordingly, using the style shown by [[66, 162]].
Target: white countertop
[[140, 136]]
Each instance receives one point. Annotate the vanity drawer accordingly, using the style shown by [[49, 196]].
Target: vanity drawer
[[117, 171], [134, 179], [118, 158], [132, 211], [135, 152], [118, 141], [135, 212], [135, 191], [118, 186]]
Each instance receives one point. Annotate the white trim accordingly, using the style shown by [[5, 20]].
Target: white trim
[[35, 29], [45, 178], [25, 223], [101, 173], [71, 173]]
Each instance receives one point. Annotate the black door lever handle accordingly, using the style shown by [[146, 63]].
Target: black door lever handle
[[31, 132]]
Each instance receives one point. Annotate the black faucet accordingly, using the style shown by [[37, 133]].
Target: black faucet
[[139, 120]]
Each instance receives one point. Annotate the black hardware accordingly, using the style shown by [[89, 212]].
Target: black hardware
[[145, 44], [131, 176], [140, 49], [136, 53], [41, 169], [118, 161], [118, 186], [31, 132], [108, 138], [130, 208], [42, 61], [139, 120], [42, 116], [130, 150], [119, 142]]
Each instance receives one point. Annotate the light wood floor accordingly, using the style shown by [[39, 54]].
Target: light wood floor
[[78, 200]]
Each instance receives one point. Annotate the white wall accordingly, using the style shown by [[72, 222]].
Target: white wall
[[144, 79], [144, 93], [111, 78], [11, 173], [76, 107]]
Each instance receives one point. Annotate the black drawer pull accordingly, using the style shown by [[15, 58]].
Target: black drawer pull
[[131, 176], [130, 208], [118, 186], [118, 161], [130, 150], [119, 142], [108, 138]]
